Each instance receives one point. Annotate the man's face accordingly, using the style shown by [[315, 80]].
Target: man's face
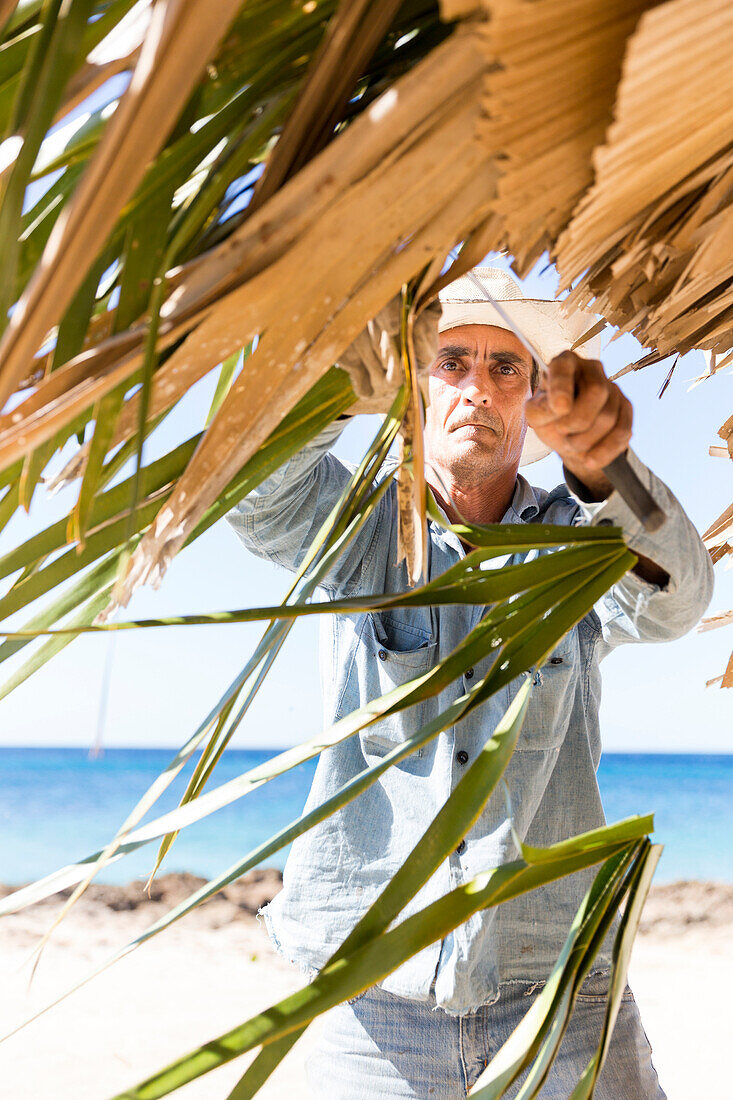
[[478, 386]]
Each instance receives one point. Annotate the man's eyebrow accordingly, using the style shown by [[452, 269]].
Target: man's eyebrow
[[457, 350], [509, 357]]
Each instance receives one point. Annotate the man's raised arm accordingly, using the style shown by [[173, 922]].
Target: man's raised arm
[[587, 421], [641, 606], [280, 518]]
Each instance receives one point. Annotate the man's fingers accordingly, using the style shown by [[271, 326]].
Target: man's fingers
[[597, 420], [587, 396], [614, 442], [538, 411], [592, 394], [594, 426], [559, 382]]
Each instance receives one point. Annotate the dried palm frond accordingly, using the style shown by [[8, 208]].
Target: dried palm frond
[[104, 348], [371, 211], [181, 37], [726, 434], [540, 147], [711, 622], [348, 44], [115, 360], [618, 168], [726, 680], [353, 268], [719, 540], [652, 241], [549, 99]]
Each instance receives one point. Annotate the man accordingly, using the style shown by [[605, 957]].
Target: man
[[429, 1029]]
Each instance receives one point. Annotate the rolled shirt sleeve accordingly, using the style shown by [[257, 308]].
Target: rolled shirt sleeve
[[635, 610]]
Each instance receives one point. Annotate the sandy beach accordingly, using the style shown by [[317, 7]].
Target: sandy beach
[[214, 969]]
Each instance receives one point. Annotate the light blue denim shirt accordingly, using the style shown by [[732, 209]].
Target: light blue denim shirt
[[336, 870]]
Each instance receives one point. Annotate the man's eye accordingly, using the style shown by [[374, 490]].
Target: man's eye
[[448, 364], [507, 368]]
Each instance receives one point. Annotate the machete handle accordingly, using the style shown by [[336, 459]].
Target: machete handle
[[636, 495]]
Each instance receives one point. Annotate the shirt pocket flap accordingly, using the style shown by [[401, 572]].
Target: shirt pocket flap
[[551, 699], [395, 652]]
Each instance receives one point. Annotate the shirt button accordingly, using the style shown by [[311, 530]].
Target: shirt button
[[468, 674], [461, 848], [462, 757], [382, 655]]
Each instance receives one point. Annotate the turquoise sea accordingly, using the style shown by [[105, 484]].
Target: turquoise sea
[[58, 805]]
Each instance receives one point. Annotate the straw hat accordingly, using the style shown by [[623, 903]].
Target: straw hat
[[546, 324]]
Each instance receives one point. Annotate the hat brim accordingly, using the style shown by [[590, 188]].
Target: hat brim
[[533, 450], [544, 324]]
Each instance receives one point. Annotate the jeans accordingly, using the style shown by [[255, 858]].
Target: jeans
[[379, 1046]]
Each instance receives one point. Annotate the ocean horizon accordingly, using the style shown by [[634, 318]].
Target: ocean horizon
[[58, 805]]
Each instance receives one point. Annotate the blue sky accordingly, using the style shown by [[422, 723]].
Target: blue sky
[[162, 682]]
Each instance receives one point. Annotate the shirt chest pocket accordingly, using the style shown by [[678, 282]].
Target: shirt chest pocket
[[554, 686], [394, 651]]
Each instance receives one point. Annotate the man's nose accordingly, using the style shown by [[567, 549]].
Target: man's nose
[[474, 393]]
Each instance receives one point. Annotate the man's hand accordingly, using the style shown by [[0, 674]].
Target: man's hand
[[587, 421], [583, 417], [373, 360]]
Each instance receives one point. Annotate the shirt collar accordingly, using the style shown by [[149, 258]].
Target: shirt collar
[[524, 505], [523, 508]]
